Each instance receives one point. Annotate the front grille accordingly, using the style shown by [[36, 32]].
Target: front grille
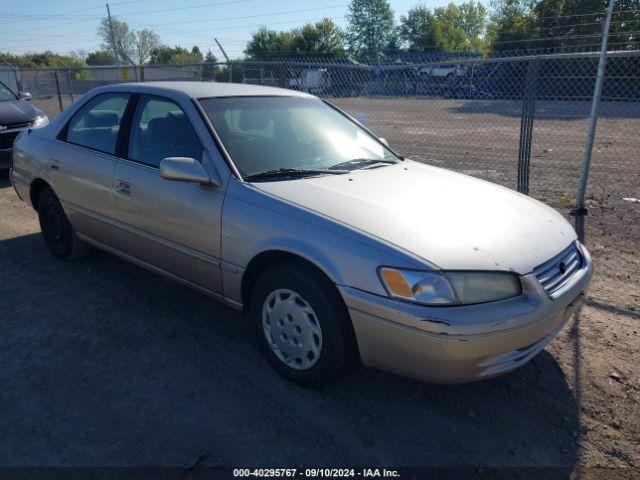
[[6, 140], [556, 272]]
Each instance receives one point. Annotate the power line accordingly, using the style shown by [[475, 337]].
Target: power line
[[562, 38], [576, 15], [99, 7], [205, 5], [583, 25], [249, 26], [209, 30], [284, 12], [42, 17]]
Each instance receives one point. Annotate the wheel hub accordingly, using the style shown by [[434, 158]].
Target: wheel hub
[[292, 329]]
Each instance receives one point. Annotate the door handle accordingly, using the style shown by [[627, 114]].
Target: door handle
[[123, 188], [54, 164]]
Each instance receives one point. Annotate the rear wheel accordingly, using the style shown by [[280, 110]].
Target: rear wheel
[[302, 325], [59, 235]]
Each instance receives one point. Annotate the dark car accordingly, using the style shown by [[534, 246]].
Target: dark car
[[16, 114]]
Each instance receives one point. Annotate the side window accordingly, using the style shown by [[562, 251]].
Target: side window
[[161, 129], [97, 123]]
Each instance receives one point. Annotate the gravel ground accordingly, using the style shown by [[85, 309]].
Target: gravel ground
[[106, 364]]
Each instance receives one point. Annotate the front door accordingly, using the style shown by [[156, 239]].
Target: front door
[[173, 226]]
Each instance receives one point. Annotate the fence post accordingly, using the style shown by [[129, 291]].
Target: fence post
[[70, 85], [230, 71], [526, 125], [58, 89], [580, 211]]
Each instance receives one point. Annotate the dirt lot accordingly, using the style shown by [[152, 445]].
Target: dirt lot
[[106, 364]]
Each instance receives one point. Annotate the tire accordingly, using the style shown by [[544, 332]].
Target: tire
[[301, 285], [59, 235]]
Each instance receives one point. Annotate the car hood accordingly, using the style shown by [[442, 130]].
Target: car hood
[[451, 220], [17, 111]]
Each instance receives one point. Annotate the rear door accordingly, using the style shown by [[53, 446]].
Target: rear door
[[81, 163], [173, 226]]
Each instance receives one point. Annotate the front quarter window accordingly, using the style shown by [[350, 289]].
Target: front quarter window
[[291, 134]]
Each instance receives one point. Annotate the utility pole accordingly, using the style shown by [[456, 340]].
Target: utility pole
[[113, 39], [229, 66], [580, 211], [222, 50]]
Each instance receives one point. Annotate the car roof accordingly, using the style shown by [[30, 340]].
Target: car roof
[[210, 89]]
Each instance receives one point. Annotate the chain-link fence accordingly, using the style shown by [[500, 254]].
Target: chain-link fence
[[517, 121]]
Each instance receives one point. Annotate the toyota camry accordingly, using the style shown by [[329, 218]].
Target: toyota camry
[[281, 205]]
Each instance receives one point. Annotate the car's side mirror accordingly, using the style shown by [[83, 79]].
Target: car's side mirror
[[184, 169], [25, 96], [383, 141]]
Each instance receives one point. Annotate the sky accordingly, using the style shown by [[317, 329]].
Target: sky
[[63, 26]]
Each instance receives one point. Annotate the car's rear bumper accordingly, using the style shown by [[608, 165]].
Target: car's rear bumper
[[461, 344]]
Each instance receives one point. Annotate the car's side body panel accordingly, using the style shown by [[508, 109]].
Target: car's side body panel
[[256, 222], [172, 225], [82, 180]]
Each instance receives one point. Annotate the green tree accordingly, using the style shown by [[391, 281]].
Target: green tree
[[196, 53], [370, 28], [460, 28], [267, 43], [323, 38], [100, 57], [473, 19], [46, 59], [511, 25], [165, 55], [133, 46], [418, 29], [210, 68], [568, 23]]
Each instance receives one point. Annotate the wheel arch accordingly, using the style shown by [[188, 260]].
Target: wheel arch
[[267, 259], [38, 185]]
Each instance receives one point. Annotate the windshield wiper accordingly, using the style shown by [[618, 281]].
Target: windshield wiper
[[290, 173], [357, 163]]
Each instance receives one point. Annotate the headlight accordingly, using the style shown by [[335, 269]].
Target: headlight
[[41, 121], [449, 288]]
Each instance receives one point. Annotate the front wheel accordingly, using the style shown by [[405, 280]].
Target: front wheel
[[59, 235], [302, 324]]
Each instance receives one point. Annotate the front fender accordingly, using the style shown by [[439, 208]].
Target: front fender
[[254, 222], [305, 250]]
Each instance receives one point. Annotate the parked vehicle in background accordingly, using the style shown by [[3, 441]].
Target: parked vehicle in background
[[314, 81], [16, 115], [336, 247], [449, 72]]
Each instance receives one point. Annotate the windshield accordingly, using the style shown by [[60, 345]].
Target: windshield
[[280, 135], [6, 95]]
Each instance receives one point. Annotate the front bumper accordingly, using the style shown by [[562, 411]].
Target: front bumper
[[462, 344]]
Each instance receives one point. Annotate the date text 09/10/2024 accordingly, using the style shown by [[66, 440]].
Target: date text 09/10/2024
[[316, 472]]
